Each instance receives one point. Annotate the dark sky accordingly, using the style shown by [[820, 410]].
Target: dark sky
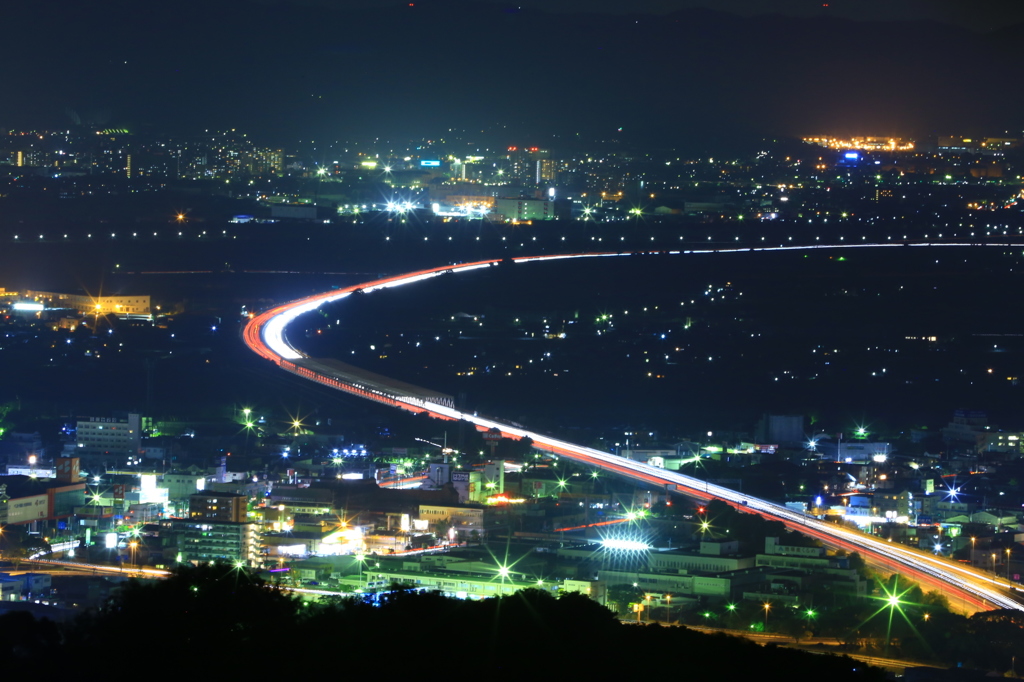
[[974, 14], [343, 69]]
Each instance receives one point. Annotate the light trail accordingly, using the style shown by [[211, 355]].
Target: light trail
[[612, 522], [265, 335]]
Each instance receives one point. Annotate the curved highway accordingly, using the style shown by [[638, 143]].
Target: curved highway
[[265, 334]]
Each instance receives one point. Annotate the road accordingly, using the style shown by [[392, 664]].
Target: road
[[818, 645], [266, 335]]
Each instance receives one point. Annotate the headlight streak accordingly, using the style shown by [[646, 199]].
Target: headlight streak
[[265, 335]]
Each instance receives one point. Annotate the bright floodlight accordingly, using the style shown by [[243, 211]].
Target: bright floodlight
[[625, 545]]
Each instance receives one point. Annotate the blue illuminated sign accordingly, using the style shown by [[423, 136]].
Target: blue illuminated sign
[[429, 162], [853, 156]]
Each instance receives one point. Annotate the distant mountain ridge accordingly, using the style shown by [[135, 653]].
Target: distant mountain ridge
[[287, 71]]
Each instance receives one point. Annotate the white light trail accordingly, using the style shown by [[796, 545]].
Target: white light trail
[[989, 591]]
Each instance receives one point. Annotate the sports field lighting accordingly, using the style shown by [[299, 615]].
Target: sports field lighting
[[624, 545]]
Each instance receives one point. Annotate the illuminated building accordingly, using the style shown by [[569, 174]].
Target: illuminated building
[[972, 427], [181, 486], [209, 541], [35, 502], [470, 201], [216, 530], [521, 209], [956, 144], [94, 305], [458, 585], [218, 506], [263, 161], [119, 436], [897, 144], [464, 520]]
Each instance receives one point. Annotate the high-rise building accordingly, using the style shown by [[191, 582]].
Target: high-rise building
[[217, 530], [208, 541]]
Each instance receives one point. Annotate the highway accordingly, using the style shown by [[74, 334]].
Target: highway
[[973, 589]]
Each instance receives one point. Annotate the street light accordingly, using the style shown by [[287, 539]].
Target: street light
[[767, 607], [360, 558], [503, 573]]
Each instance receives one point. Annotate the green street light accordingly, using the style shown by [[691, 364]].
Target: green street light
[[892, 600], [360, 558], [504, 574]]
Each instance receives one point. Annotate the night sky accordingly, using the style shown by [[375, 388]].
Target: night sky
[[981, 15], [344, 69]]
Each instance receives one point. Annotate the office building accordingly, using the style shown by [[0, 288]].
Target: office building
[[117, 436]]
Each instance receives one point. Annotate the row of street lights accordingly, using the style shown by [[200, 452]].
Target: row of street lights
[[993, 555]]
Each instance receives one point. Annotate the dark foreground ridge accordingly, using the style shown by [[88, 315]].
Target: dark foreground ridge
[[219, 619]]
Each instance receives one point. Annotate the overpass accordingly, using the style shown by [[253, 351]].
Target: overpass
[[266, 335]]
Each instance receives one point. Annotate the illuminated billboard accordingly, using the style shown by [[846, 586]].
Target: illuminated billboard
[[433, 163]]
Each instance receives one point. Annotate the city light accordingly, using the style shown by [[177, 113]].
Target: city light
[[625, 545], [265, 335]]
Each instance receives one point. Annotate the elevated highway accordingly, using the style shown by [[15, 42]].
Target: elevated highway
[[266, 335]]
